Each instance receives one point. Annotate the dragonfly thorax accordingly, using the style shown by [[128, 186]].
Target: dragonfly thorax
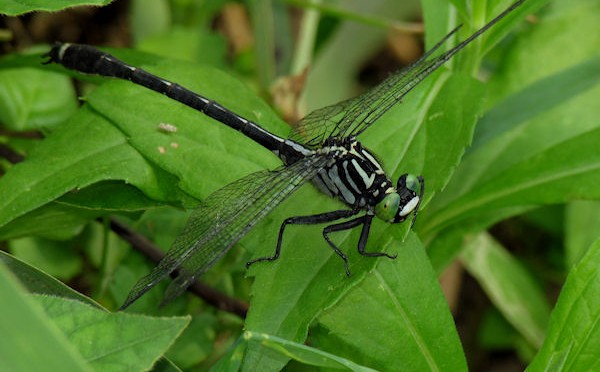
[[356, 177], [353, 175]]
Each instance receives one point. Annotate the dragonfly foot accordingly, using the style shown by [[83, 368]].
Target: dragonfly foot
[[260, 259], [378, 254], [348, 274]]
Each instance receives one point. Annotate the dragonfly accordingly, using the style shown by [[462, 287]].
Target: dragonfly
[[322, 148]]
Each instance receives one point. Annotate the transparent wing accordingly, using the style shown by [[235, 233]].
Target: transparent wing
[[351, 117], [220, 221]]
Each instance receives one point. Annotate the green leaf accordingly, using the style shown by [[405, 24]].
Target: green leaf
[[109, 196], [582, 223], [512, 162], [34, 99], [512, 289], [120, 340], [37, 281], [51, 221], [535, 99], [573, 339], [29, 341], [381, 321], [85, 150], [56, 258], [67, 216], [196, 343], [438, 16], [17, 7], [564, 172], [315, 280], [302, 353], [232, 360]]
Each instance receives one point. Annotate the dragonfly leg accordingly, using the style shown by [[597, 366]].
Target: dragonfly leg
[[362, 242], [308, 220], [346, 225]]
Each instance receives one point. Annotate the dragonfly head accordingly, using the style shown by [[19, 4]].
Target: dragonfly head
[[397, 205]]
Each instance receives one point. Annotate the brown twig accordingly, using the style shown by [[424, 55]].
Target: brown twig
[[33, 134], [10, 154]]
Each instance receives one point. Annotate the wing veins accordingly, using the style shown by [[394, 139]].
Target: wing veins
[[220, 221]]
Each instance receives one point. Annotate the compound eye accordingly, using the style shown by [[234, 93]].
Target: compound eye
[[410, 188], [387, 208], [410, 182]]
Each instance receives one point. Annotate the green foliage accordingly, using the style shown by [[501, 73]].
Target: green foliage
[[572, 339], [520, 299], [21, 318], [72, 335], [534, 133], [16, 7]]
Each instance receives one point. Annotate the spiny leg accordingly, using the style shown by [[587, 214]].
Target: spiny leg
[[362, 242], [307, 220]]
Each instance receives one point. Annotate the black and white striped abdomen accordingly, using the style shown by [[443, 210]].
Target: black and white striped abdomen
[[355, 177]]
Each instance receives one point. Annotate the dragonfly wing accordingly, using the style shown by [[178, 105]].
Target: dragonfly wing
[[316, 127], [220, 221], [351, 117]]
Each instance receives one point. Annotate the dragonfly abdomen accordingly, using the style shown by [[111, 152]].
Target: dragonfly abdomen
[[89, 60]]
